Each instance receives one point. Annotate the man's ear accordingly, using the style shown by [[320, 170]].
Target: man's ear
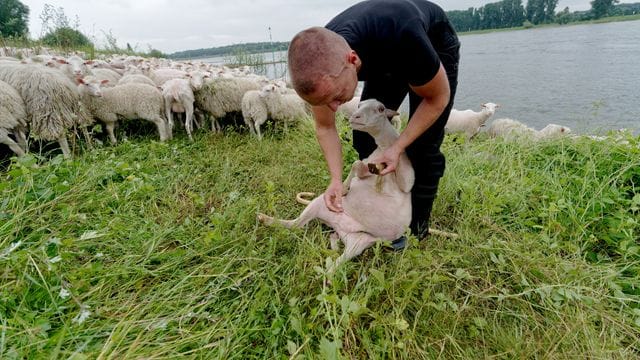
[[352, 57]]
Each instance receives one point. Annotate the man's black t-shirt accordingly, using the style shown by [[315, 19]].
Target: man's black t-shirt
[[400, 39]]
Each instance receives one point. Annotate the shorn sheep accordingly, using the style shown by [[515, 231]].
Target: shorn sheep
[[469, 121], [13, 119], [375, 207], [129, 101], [52, 102], [271, 102]]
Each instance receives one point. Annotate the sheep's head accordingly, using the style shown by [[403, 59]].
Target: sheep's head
[[553, 130], [490, 107], [371, 116], [91, 85]]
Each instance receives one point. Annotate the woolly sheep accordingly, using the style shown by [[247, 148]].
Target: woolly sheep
[[509, 128], [220, 96], [279, 104], [136, 78], [178, 97], [129, 101], [552, 131], [469, 121], [160, 76], [51, 100], [13, 119], [74, 67], [106, 74]]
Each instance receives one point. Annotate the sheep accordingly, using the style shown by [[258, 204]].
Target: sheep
[[160, 76], [509, 129], [178, 97], [348, 108], [106, 74], [282, 106], [469, 121], [375, 207], [73, 67], [136, 78], [51, 100], [220, 96], [552, 131], [130, 101], [13, 119]]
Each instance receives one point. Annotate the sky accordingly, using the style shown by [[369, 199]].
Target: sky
[[175, 25]]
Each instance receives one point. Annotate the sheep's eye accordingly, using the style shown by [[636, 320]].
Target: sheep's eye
[[381, 109]]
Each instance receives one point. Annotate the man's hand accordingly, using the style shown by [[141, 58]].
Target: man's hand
[[333, 197], [390, 158]]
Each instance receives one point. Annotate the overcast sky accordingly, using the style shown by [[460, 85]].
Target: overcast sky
[[174, 25]]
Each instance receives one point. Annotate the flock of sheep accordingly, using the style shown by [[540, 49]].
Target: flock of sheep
[[49, 97]]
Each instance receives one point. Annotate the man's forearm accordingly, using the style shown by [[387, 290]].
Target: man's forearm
[[332, 149]]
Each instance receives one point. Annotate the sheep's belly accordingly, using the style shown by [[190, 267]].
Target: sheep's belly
[[385, 215]]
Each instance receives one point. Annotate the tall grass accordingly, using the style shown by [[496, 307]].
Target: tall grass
[[152, 250]]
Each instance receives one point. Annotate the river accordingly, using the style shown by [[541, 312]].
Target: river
[[585, 77]]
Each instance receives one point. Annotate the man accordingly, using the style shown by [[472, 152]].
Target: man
[[397, 47]]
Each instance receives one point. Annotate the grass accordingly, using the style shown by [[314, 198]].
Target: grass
[[152, 250]]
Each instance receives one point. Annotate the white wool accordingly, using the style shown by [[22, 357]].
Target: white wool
[[469, 121]]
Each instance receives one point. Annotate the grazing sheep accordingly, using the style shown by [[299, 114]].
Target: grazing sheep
[[271, 102], [375, 207], [13, 119], [178, 97], [136, 78], [221, 96], [51, 100], [129, 101], [509, 128], [469, 121], [552, 131]]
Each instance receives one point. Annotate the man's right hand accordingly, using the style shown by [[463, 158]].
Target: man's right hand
[[333, 197]]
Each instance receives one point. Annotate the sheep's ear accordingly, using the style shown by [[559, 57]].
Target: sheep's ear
[[88, 62], [62, 61], [80, 80], [389, 113], [104, 81]]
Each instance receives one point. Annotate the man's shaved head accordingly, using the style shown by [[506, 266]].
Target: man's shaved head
[[313, 54]]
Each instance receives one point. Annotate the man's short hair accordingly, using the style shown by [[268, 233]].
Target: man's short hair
[[314, 53]]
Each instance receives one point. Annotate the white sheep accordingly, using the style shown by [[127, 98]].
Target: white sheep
[[129, 101], [221, 96], [160, 76], [469, 121], [106, 74], [51, 100], [347, 109], [136, 78], [13, 119], [271, 102], [178, 97], [552, 131], [73, 67]]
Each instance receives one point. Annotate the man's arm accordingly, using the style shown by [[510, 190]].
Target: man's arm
[[435, 97], [327, 134]]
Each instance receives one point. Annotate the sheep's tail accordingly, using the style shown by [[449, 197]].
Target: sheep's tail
[[443, 233], [300, 197]]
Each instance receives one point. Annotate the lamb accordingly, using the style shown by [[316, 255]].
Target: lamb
[[375, 207], [130, 101], [552, 131], [178, 97], [220, 96], [271, 102], [469, 121], [348, 108], [51, 100], [13, 119]]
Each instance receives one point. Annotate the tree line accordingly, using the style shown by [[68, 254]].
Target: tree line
[[59, 31]]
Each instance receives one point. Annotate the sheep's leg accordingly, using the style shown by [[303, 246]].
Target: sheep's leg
[[110, 130], [258, 123], [87, 137], [316, 209], [167, 109], [215, 125], [188, 116], [19, 133], [405, 177], [5, 139], [64, 145], [354, 245], [333, 239], [358, 169]]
